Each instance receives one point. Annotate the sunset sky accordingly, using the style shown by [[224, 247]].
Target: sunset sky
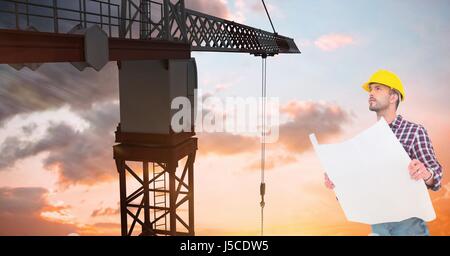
[[57, 124]]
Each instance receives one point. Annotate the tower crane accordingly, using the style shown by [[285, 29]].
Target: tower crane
[[152, 42]]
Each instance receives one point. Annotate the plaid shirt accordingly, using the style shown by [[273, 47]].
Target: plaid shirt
[[417, 144]]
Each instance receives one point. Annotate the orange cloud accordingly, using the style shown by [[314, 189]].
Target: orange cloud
[[105, 212], [333, 42], [26, 211], [20, 213], [100, 229]]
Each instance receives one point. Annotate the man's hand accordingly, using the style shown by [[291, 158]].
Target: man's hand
[[418, 171], [328, 182]]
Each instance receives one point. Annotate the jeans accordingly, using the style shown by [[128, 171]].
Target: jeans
[[408, 227]]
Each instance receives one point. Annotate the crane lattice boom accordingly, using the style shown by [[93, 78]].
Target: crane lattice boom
[[164, 21]]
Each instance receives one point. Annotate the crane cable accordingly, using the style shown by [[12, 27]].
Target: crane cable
[[262, 188], [268, 15]]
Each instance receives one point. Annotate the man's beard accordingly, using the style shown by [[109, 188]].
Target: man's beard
[[377, 107]]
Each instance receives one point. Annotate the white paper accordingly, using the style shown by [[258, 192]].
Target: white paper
[[371, 178]]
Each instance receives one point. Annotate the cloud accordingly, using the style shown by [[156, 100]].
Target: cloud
[[20, 213], [26, 211], [85, 157], [323, 119], [274, 10], [105, 212], [257, 6], [14, 148], [107, 225], [303, 43], [78, 156], [100, 229], [88, 157], [214, 8], [333, 42], [239, 13], [53, 86], [19, 200]]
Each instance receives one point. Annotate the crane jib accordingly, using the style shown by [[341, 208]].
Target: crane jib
[[143, 20]]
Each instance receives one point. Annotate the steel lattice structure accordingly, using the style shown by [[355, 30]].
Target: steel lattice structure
[[41, 31], [163, 201], [144, 19]]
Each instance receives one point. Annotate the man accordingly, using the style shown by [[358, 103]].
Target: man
[[385, 93]]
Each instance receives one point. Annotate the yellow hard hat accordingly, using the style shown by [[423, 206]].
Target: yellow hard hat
[[387, 78]]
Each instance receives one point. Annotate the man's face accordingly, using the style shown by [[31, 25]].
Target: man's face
[[379, 97]]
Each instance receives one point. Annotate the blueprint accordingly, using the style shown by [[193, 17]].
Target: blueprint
[[371, 178]]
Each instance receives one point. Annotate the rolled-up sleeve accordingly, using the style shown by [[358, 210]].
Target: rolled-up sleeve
[[424, 152]]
